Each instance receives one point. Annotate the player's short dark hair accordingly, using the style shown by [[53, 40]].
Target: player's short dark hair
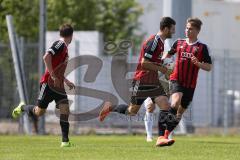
[[66, 30], [196, 22], [166, 22]]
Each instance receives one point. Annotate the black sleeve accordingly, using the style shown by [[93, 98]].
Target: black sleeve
[[56, 47], [173, 49], [206, 56], [150, 47]]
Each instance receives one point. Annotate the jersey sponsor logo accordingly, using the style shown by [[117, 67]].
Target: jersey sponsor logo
[[186, 55], [195, 49]]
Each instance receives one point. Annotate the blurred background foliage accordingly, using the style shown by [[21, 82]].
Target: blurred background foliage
[[116, 19]]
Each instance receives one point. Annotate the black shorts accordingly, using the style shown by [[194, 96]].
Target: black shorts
[[188, 93], [142, 91], [47, 95]]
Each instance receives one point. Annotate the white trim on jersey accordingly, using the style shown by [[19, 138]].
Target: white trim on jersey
[[148, 55], [51, 50], [59, 44], [155, 42], [161, 39], [187, 40], [42, 91]]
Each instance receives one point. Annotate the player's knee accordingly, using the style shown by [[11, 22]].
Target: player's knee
[[176, 100], [39, 111], [64, 109], [162, 102], [150, 108], [132, 110], [175, 103]]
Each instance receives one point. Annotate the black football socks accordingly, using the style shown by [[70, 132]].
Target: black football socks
[[162, 119], [64, 127], [122, 108]]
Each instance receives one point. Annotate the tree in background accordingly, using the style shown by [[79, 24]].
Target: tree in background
[[116, 19], [119, 18], [25, 15]]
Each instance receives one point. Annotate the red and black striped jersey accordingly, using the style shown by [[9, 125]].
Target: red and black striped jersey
[[152, 50], [185, 72], [59, 53]]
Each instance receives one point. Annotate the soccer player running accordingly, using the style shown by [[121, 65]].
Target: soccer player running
[[52, 84], [192, 55], [146, 82]]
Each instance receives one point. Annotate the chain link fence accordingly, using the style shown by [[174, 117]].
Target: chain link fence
[[216, 101], [8, 87]]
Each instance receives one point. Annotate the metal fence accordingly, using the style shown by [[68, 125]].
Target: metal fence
[[8, 88], [216, 101]]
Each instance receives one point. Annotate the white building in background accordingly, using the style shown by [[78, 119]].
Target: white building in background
[[221, 28], [221, 21], [90, 42], [152, 13]]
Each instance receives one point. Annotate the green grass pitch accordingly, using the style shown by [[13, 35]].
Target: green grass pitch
[[118, 148]]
